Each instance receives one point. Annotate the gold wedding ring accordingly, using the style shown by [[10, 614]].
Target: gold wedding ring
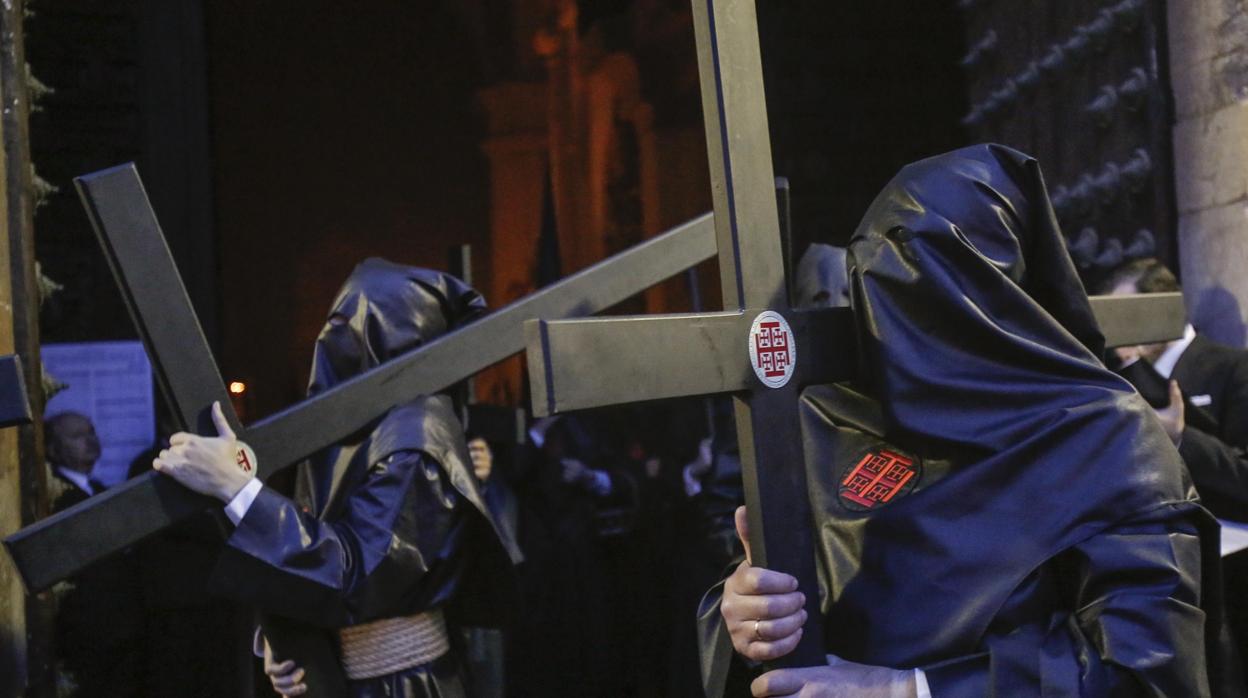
[[758, 637]]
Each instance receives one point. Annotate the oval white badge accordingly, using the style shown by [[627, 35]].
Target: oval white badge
[[773, 349], [245, 458]]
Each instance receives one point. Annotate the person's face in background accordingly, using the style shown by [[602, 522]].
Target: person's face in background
[[822, 281], [74, 444], [482, 458]]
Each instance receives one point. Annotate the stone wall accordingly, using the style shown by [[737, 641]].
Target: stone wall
[[1209, 75]]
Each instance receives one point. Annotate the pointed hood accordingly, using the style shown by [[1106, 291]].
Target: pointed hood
[[384, 310]]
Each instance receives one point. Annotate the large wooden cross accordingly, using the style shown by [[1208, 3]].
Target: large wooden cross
[[758, 349], [751, 266], [59, 546]]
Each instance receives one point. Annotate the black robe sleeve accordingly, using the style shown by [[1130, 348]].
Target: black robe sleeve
[[395, 549], [1136, 628]]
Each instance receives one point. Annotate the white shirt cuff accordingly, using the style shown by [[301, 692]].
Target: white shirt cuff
[[920, 684], [237, 508]]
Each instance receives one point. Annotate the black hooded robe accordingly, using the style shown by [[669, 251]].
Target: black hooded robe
[[992, 505], [389, 523]]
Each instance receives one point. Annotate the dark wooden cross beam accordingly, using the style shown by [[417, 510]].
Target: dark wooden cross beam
[[629, 359], [61, 545], [758, 349], [14, 402]]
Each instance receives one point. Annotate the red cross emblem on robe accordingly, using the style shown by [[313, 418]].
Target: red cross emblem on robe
[[878, 479]]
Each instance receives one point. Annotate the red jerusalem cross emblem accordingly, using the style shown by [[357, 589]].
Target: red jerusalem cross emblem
[[245, 458], [773, 353], [877, 479]]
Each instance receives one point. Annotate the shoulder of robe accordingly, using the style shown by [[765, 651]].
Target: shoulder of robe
[[429, 424]]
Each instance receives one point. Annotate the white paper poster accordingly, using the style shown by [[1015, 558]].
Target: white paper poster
[[110, 382]]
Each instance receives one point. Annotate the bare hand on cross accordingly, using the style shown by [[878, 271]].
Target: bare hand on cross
[[762, 608], [764, 614], [218, 466]]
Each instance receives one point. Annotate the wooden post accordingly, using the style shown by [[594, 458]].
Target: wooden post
[[25, 662]]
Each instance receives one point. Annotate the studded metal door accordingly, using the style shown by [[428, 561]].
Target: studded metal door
[[1083, 86]]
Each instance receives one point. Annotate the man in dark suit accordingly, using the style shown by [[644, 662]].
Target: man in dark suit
[[1214, 379], [1206, 417], [99, 625], [72, 450]]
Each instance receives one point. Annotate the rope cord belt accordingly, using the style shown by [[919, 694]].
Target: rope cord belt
[[391, 645]]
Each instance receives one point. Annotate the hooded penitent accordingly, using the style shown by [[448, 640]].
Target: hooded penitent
[[391, 523], [992, 504], [821, 279], [382, 311]]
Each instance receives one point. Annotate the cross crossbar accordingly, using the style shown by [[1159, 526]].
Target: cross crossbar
[[579, 364], [576, 364]]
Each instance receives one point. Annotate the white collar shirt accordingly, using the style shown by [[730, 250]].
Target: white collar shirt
[[1166, 362], [81, 480]]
